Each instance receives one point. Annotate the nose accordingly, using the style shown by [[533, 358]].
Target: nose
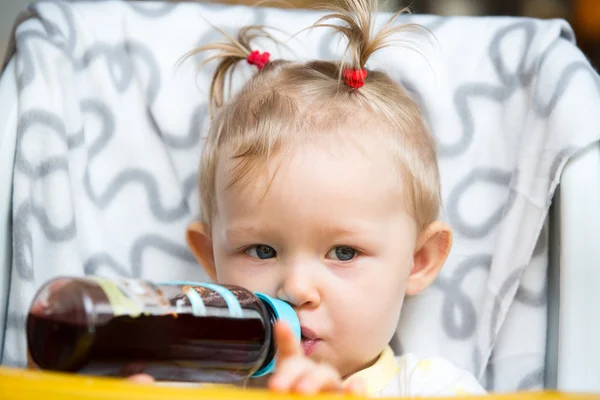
[[298, 287]]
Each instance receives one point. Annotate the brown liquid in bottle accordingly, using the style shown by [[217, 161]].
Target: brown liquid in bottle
[[74, 329]]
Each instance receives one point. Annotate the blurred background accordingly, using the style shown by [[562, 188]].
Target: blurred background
[[583, 15]]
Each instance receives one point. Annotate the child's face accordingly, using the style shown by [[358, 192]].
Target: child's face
[[330, 235]]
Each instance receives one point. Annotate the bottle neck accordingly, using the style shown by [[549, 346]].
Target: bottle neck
[[268, 364]]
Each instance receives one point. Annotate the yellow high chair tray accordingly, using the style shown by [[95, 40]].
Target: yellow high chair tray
[[20, 384]]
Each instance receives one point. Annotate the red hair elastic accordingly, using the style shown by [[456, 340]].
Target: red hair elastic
[[259, 59], [355, 78]]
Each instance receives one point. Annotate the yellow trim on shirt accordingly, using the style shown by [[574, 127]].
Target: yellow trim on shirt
[[378, 375]]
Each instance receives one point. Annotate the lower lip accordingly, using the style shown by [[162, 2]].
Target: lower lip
[[309, 346]]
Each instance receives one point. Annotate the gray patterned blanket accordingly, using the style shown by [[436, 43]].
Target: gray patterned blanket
[[109, 133]]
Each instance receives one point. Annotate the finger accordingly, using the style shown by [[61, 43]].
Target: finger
[[132, 369], [30, 363], [288, 373], [321, 378], [141, 378], [287, 344], [356, 387]]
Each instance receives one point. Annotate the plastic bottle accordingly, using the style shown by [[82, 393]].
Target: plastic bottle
[[176, 331]]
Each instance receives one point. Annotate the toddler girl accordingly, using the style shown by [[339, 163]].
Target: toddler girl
[[319, 186]]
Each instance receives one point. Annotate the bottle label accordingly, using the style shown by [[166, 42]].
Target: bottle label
[[197, 303], [133, 297]]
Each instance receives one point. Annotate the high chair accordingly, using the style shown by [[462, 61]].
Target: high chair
[[100, 133]]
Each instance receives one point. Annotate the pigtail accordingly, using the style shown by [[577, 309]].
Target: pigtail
[[230, 52], [357, 20]]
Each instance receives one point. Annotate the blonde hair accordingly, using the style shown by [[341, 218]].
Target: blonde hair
[[285, 102]]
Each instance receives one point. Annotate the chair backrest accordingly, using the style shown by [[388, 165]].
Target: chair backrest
[[109, 134]]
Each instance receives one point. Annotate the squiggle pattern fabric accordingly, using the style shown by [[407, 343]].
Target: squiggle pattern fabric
[[109, 134]]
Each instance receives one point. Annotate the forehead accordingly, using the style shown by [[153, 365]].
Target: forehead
[[324, 179]]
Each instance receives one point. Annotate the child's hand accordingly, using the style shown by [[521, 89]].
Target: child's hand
[[295, 372], [140, 378], [135, 373]]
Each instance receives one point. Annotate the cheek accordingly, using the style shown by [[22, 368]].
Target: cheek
[[376, 298], [371, 297], [365, 328], [381, 308]]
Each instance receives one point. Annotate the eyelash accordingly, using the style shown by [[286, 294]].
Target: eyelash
[[254, 247], [356, 254]]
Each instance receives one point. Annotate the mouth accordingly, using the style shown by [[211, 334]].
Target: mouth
[[309, 340]]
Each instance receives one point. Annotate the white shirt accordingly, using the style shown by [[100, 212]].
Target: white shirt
[[411, 376]]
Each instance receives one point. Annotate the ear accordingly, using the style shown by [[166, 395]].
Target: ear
[[201, 246], [433, 246]]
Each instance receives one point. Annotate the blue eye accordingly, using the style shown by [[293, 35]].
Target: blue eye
[[342, 253], [261, 251]]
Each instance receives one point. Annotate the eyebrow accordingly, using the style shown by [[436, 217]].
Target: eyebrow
[[241, 230], [342, 231]]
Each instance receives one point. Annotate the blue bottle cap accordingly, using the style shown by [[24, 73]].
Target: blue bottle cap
[[283, 312]]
